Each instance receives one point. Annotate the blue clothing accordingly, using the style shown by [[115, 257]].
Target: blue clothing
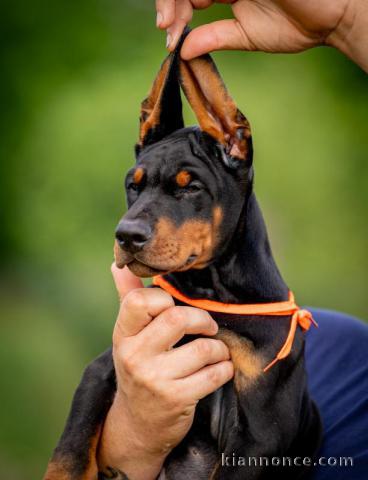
[[337, 367]]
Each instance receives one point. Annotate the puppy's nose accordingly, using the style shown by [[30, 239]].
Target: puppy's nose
[[132, 235]]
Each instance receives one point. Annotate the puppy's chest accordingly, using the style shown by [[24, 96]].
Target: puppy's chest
[[252, 341], [249, 346]]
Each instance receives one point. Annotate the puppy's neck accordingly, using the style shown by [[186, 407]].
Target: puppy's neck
[[245, 273]]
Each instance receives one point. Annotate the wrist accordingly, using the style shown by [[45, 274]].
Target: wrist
[[141, 437], [351, 34], [123, 449]]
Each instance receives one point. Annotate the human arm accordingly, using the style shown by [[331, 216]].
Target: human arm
[[158, 386]]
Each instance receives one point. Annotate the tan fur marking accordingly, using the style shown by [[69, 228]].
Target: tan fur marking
[[171, 246], [56, 471], [215, 470], [198, 102], [138, 175], [151, 106], [183, 178], [248, 365], [92, 469], [217, 217], [215, 110], [61, 469]]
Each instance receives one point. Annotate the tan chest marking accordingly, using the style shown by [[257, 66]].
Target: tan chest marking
[[248, 365]]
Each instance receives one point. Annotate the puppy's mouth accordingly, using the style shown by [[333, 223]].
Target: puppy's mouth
[[141, 268]]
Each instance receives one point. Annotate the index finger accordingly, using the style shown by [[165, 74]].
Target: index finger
[[125, 280], [137, 310], [172, 324]]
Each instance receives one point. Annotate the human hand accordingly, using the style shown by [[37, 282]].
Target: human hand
[[158, 386], [270, 26]]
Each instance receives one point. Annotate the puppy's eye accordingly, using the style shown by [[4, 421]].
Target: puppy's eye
[[193, 187], [135, 180], [133, 187], [190, 189]]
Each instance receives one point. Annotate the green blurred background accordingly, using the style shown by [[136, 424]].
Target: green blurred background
[[72, 78]]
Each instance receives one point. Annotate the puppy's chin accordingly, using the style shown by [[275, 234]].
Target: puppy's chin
[[141, 270]]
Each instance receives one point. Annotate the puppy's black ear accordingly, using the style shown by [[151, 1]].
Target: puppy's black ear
[[215, 110], [161, 111]]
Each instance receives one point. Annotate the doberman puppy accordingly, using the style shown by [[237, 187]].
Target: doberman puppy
[[193, 218]]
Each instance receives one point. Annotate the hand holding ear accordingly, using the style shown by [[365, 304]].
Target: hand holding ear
[[270, 26]]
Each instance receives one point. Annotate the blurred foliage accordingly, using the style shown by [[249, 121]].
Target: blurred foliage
[[72, 78]]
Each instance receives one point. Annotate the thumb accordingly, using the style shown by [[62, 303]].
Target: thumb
[[221, 35], [125, 280]]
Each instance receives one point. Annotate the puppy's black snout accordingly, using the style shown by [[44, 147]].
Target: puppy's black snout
[[132, 235]]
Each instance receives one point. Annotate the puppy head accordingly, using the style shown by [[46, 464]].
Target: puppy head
[[187, 189]]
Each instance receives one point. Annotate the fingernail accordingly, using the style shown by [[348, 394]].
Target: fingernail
[[168, 40], [214, 327], [159, 19]]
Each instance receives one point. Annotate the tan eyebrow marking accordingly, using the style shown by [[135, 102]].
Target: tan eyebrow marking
[[138, 175], [183, 178]]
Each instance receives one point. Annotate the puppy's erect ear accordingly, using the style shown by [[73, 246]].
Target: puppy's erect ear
[[215, 110], [161, 111]]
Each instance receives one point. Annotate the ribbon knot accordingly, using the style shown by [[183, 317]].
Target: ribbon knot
[[305, 319]]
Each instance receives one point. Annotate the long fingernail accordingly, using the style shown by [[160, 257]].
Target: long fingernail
[[168, 40], [159, 19]]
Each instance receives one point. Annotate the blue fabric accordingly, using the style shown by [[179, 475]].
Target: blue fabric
[[337, 367]]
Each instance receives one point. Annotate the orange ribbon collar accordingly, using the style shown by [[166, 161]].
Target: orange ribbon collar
[[300, 317]]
